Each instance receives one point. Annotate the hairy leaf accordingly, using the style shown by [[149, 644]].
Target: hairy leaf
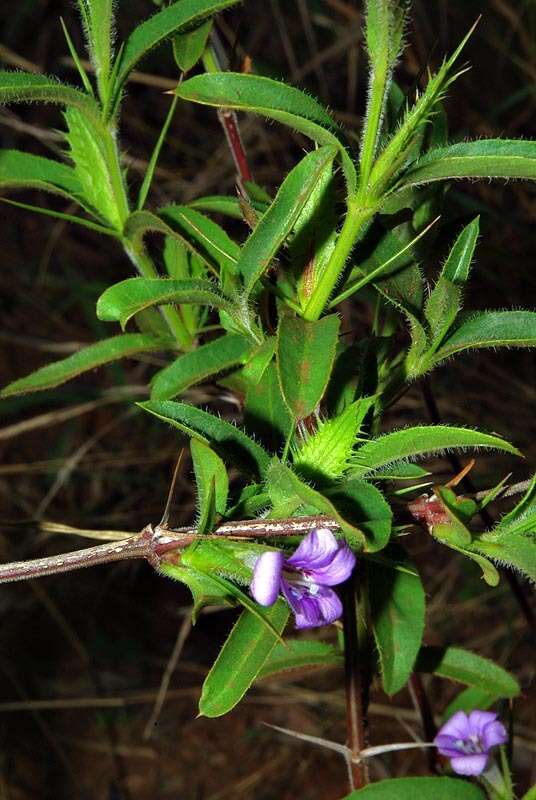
[[299, 654], [194, 367], [25, 87], [226, 439], [422, 441], [469, 668], [240, 660], [485, 158], [397, 606], [418, 789], [278, 221], [86, 359], [122, 300], [305, 355], [490, 329], [271, 99], [24, 170], [175, 18]]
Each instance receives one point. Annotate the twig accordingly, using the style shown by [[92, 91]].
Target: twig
[[355, 691], [153, 543], [184, 630]]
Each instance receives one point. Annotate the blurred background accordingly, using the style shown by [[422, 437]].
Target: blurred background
[[82, 655]]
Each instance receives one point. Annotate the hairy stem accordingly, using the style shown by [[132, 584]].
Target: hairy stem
[[356, 219]]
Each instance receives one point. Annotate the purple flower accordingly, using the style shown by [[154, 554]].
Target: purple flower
[[467, 740], [304, 579]]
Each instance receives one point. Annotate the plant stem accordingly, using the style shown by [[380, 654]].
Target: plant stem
[[356, 672], [153, 543], [422, 705], [356, 219]]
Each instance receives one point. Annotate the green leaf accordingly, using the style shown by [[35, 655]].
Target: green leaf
[[403, 142], [444, 302], [226, 439], [288, 493], [98, 17], [228, 206], [26, 171], [271, 99], [208, 238], [490, 329], [522, 518], [25, 87], [419, 442], [204, 588], [365, 506], [314, 235], [94, 153], [485, 158], [123, 300], [327, 452], [188, 47], [305, 355], [175, 18], [84, 360], [470, 699], [242, 657], [458, 264], [299, 654], [397, 604], [196, 366], [530, 795], [466, 667], [265, 412], [212, 485], [418, 789], [278, 221], [515, 550]]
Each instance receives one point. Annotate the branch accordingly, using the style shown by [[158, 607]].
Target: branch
[[153, 544]]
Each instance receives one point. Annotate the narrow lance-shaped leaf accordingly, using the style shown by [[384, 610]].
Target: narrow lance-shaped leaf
[[210, 240], [443, 304], [212, 485], [188, 47], [242, 657], [490, 329], [25, 87], [397, 603], [194, 367], [278, 221], [98, 18], [418, 789], [265, 412], [226, 439], [177, 17], [87, 358], [125, 299], [466, 667], [295, 655], [485, 158], [25, 170], [421, 441], [305, 355], [271, 99]]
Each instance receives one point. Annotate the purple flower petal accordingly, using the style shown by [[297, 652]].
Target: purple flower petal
[[457, 726], [473, 764], [478, 720], [315, 550], [322, 558], [493, 734], [338, 571], [312, 606], [266, 582]]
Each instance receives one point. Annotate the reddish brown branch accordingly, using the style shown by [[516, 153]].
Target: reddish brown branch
[[356, 690], [153, 544]]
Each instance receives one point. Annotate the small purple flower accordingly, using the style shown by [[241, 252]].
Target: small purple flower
[[467, 740], [304, 579]]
